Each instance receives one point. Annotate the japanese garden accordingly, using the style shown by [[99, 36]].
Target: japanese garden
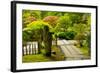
[[55, 36]]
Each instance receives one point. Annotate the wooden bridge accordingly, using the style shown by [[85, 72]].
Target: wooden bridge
[[70, 51]]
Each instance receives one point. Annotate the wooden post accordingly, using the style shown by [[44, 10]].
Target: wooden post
[[23, 50], [26, 50], [32, 49], [29, 48]]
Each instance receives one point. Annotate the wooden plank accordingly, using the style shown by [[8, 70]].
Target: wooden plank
[[70, 51], [65, 51], [73, 52], [76, 49]]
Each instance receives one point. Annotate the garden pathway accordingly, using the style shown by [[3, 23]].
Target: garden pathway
[[71, 52]]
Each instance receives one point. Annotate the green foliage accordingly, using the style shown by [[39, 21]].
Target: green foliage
[[51, 13], [25, 36], [88, 39], [38, 25], [69, 35], [84, 50], [80, 28], [34, 30], [33, 13], [76, 17], [63, 23]]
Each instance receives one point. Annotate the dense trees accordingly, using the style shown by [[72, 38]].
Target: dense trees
[[64, 25], [60, 21]]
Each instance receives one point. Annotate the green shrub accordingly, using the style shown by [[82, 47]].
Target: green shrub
[[66, 35]]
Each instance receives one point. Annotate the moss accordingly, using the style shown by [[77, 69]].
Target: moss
[[35, 58], [57, 54]]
